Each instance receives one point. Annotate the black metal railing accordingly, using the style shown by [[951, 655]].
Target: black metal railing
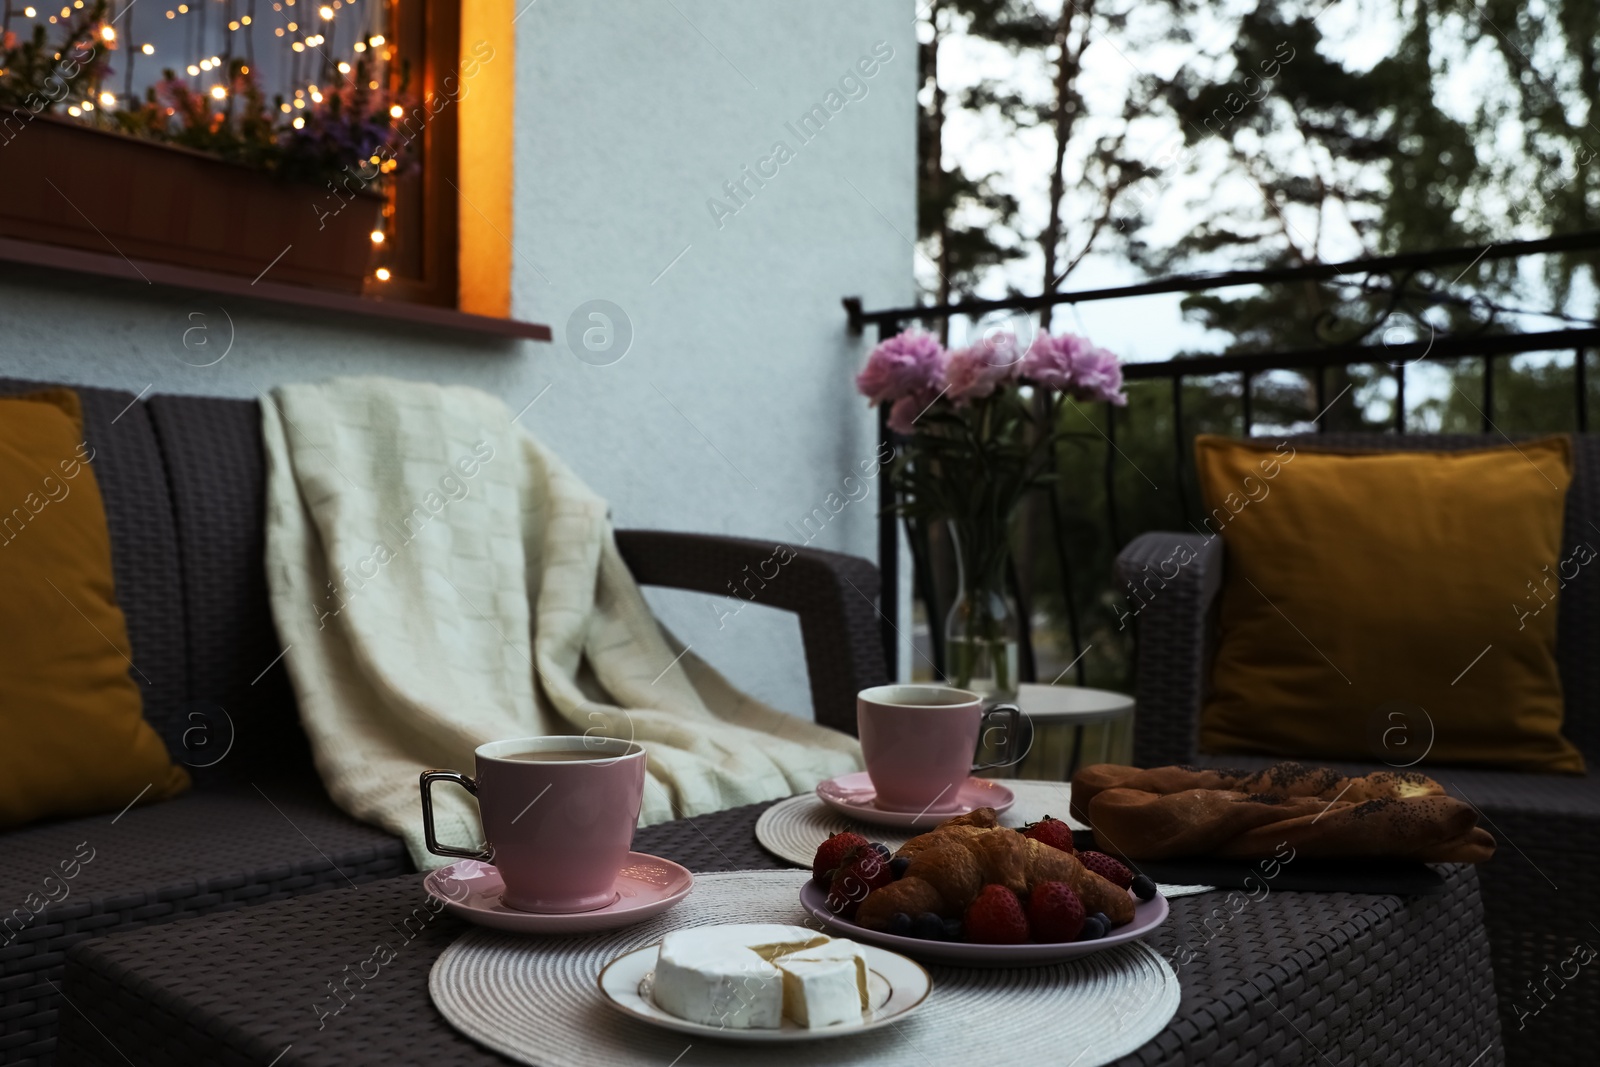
[[1388, 285]]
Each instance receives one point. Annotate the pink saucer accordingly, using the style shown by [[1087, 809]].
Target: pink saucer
[[646, 886], [853, 795]]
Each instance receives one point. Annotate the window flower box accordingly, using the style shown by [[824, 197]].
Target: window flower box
[[63, 183]]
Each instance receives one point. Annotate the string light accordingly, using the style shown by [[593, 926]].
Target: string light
[[108, 34], [149, 49], [194, 71], [326, 12], [395, 111], [377, 237], [218, 93], [299, 122], [382, 274], [30, 11], [344, 68], [107, 100]]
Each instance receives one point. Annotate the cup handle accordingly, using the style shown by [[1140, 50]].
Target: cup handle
[[485, 854], [1013, 735]]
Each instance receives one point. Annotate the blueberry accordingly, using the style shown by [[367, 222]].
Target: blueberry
[[1105, 921], [898, 865], [900, 924], [1144, 887], [953, 930], [927, 926], [882, 850], [1093, 929]]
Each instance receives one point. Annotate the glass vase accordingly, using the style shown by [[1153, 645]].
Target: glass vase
[[982, 630]]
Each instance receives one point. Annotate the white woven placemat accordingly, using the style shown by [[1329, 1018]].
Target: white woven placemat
[[792, 829], [536, 1000]]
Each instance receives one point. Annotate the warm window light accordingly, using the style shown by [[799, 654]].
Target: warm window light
[[326, 12], [107, 100], [299, 122], [395, 111], [218, 93], [382, 274], [149, 49], [377, 237]]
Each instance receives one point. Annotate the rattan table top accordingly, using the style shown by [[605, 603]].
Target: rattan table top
[[1270, 977]]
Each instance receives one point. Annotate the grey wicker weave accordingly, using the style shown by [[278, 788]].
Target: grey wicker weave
[[1541, 892], [183, 481], [1290, 979]]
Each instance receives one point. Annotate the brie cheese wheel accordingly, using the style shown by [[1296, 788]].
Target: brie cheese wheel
[[724, 976], [754, 976]]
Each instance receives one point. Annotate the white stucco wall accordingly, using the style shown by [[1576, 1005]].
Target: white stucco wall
[[732, 411]]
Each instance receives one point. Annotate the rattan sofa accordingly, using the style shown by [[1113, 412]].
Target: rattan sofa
[[1540, 894], [182, 479]]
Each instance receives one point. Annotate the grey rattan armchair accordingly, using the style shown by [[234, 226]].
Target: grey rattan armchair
[[1541, 900]]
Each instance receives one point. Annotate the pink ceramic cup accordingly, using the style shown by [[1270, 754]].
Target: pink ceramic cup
[[557, 832], [918, 742]]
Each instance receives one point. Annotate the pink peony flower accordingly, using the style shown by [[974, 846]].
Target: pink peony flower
[[977, 371], [907, 363], [905, 412], [1072, 365], [1050, 359], [1099, 377]]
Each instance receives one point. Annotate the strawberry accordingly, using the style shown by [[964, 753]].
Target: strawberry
[[1111, 870], [996, 918], [831, 855], [1052, 832], [1055, 912], [863, 871]]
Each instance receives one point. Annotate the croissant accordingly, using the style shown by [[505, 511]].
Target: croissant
[[949, 865]]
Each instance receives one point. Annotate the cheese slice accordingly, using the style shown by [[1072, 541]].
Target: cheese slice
[[753, 976], [825, 984]]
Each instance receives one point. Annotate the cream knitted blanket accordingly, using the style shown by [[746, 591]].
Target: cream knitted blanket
[[439, 579]]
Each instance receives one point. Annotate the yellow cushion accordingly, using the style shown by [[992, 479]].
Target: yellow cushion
[[75, 739], [1361, 587]]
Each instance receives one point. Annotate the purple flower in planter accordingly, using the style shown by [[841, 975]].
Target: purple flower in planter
[[978, 370], [903, 415], [907, 364]]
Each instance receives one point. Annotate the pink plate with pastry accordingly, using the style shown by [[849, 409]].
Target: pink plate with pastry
[[1147, 915]]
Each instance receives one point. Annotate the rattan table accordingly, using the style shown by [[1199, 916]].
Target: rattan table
[[1288, 978]]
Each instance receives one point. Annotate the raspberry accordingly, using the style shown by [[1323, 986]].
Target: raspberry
[[1052, 832], [1111, 870], [1055, 912], [831, 855], [996, 918]]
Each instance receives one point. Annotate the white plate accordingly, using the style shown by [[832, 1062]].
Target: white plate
[[1147, 915], [895, 987], [853, 795]]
